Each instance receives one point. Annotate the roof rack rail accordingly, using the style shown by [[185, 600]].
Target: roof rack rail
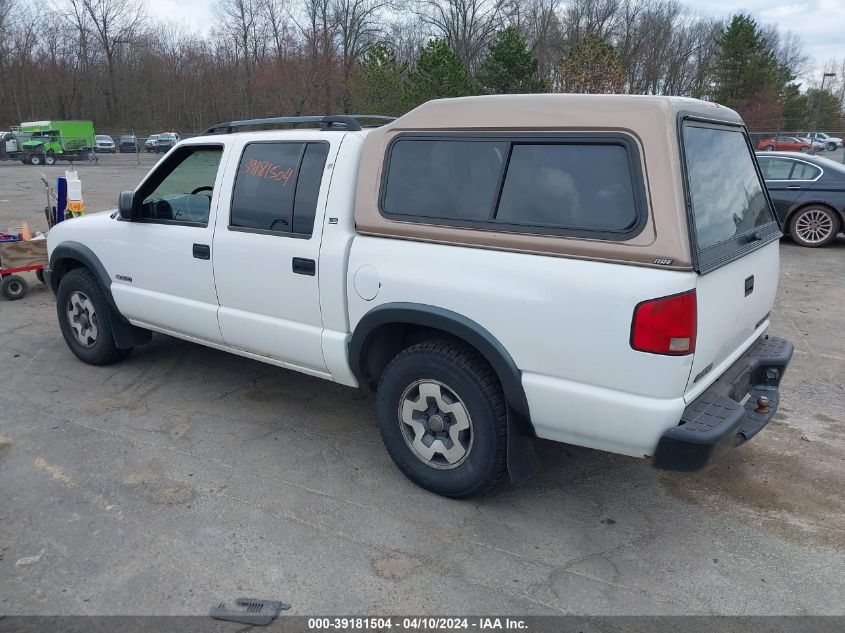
[[346, 122]]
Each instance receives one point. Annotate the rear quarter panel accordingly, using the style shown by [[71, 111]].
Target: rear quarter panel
[[566, 322]]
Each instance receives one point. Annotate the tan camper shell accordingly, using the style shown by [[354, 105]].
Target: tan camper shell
[[648, 125]]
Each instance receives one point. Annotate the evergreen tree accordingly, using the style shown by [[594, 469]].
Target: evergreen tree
[[509, 67], [377, 85], [747, 76], [796, 109], [439, 73], [826, 108], [592, 66]]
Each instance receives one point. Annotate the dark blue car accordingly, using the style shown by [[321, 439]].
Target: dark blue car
[[808, 193]]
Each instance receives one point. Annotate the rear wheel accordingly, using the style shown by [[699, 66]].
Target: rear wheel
[[814, 226], [35, 159], [14, 287], [443, 419], [769, 148], [85, 319]]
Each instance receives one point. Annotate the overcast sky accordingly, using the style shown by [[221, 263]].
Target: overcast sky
[[820, 23]]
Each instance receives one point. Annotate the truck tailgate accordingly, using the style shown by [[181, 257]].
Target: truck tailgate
[[733, 302]]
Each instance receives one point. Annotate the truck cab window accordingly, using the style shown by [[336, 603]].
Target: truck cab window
[[277, 186], [180, 190]]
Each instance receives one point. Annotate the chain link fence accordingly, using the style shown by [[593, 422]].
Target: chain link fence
[[828, 144], [114, 149], [128, 149]]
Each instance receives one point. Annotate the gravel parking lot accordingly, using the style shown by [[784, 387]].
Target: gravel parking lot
[[186, 476]]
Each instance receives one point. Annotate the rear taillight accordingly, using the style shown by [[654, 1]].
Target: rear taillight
[[666, 325]]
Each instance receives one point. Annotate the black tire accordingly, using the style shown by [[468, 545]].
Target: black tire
[[40, 275], [14, 287], [103, 351], [831, 147], [467, 378], [814, 226]]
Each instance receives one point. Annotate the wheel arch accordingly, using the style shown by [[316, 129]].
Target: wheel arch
[[839, 213], [70, 255], [385, 330]]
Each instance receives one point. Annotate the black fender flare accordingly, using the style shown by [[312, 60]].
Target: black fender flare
[[125, 334], [447, 321]]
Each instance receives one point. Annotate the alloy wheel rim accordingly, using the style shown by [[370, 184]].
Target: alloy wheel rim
[[435, 424], [814, 226], [82, 319]]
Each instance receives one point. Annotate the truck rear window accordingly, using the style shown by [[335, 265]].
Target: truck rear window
[[727, 197]]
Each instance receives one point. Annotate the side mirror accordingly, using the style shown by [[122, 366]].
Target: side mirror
[[125, 204]]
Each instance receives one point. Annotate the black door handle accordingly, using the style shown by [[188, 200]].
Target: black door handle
[[302, 266], [202, 251]]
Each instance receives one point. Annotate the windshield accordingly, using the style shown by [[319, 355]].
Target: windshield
[[726, 194]]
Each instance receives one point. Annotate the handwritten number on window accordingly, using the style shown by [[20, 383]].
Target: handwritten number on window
[[268, 171]]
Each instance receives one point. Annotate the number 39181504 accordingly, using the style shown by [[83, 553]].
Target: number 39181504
[[268, 171]]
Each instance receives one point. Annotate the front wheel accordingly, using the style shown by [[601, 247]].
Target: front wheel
[[769, 148], [831, 147], [50, 159], [85, 319], [442, 417], [814, 226]]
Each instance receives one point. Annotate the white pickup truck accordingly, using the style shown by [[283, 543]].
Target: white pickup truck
[[597, 270]]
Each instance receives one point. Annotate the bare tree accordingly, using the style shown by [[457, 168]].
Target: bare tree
[[242, 21], [468, 25], [277, 14], [539, 22], [114, 23], [583, 17], [89, 59]]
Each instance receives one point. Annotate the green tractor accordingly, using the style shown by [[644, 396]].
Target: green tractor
[[50, 141]]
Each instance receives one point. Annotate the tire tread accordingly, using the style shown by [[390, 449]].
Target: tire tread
[[108, 353], [479, 371]]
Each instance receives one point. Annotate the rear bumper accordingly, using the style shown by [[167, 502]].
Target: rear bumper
[[717, 421]]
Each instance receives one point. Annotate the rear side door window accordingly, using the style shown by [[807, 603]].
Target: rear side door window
[[276, 187], [804, 171]]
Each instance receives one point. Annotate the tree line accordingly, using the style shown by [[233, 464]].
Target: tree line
[[113, 62]]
